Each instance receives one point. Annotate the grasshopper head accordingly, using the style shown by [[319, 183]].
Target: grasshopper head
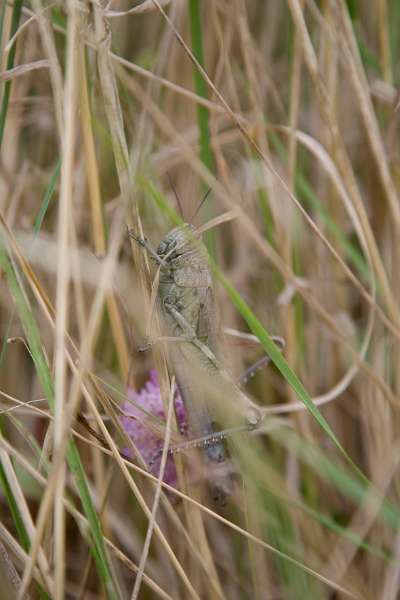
[[175, 242]]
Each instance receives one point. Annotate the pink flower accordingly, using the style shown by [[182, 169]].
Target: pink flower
[[134, 422]]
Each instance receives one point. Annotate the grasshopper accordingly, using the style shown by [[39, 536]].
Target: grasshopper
[[187, 303]]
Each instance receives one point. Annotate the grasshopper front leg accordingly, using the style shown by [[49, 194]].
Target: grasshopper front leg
[[145, 244], [189, 334]]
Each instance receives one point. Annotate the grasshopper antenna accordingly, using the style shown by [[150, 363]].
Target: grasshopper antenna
[[178, 200], [200, 205]]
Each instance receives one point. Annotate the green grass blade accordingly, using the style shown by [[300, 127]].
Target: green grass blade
[[36, 228], [203, 115], [281, 533], [160, 201], [200, 86], [73, 458], [2, 14], [47, 197], [280, 363], [337, 476], [13, 506], [16, 15], [18, 521]]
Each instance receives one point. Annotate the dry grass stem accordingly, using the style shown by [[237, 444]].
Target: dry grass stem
[[272, 129]]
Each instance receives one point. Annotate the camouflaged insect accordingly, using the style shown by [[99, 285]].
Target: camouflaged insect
[[186, 298]]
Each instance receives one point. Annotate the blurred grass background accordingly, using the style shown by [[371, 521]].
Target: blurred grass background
[[288, 111]]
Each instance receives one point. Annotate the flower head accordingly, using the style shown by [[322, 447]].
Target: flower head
[[134, 423]]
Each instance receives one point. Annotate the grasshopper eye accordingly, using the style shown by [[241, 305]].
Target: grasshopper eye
[[162, 248], [165, 247]]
